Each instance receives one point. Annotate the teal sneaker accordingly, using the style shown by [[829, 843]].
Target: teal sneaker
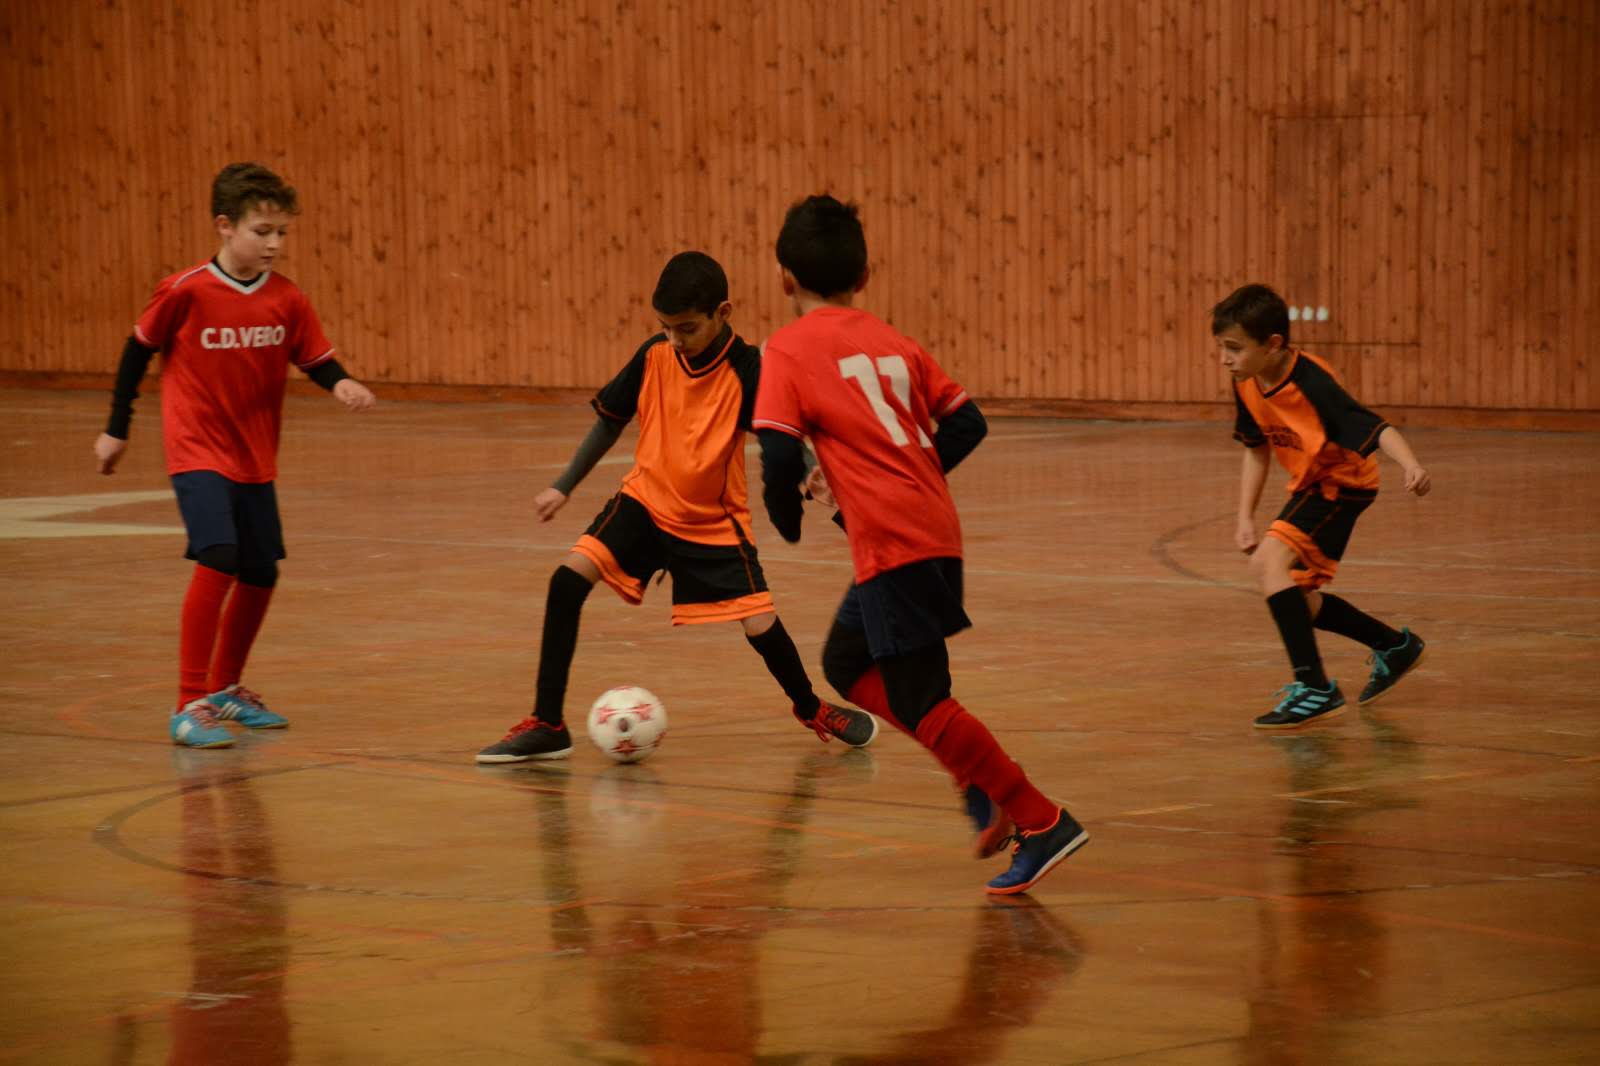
[[1388, 667], [238, 704], [196, 726], [1303, 705]]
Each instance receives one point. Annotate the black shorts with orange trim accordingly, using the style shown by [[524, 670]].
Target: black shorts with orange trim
[[710, 582], [1317, 529]]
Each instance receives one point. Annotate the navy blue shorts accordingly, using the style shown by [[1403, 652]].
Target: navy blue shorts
[[217, 511], [908, 608]]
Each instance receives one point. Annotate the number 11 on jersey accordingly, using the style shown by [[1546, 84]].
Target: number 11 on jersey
[[859, 368]]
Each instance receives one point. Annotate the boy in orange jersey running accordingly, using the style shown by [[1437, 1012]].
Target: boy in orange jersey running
[[682, 509], [867, 397], [1291, 400], [227, 330]]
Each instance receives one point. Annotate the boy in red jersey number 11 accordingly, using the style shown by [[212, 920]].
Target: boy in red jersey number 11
[[1290, 400], [867, 397], [227, 329]]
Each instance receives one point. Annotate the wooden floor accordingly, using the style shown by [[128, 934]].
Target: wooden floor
[[1414, 883]]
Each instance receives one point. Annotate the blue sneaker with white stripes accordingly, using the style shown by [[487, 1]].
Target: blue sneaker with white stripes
[[238, 704], [196, 726], [1303, 705]]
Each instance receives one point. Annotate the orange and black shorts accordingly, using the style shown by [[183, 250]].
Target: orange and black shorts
[[1317, 526], [710, 582]]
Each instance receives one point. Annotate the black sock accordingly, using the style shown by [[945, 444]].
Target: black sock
[[562, 608], [783, 663], [1293, 615], [1339, 616]]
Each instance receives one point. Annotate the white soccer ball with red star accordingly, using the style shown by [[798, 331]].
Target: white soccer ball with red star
[[627, 723]]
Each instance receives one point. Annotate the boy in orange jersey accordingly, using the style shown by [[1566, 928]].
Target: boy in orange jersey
[[682, 508], [867, 396], [227, 330], [1290, 399]]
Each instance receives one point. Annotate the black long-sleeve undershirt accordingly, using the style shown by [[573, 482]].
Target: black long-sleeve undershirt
[[783, 468], [135, 363], [130, 372], [783, 464], [601, 436], [959, 434]]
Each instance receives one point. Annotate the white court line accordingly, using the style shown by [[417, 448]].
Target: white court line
[[29, 517]]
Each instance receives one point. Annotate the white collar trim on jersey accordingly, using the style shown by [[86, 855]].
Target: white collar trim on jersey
[[237, 285]]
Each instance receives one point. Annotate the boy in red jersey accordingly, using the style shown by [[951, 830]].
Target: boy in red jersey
[[866, 397], [227, 330], [682, 509], [1291, 399]]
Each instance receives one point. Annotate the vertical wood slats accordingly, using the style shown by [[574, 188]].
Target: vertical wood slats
[[1054, 193]]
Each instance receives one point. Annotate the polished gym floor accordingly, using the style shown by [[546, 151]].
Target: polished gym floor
[[1415, 882]]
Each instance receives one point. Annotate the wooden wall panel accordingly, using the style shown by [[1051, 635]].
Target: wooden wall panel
[[1054, 193]]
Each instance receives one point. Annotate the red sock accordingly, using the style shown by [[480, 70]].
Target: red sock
[[868, 693], [241, 621], [202, 607], [969, 751]]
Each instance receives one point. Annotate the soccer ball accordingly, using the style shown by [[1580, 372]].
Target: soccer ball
[[627, 723]]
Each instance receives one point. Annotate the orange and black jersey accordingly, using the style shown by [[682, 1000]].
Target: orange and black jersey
[[693, 414], [1317, 430]]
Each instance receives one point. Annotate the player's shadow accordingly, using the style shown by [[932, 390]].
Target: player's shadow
[[234, 1010], [1323, 956], [680, 967], [1022, 954]]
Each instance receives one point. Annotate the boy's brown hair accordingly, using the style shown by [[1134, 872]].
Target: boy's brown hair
[[241, 186]]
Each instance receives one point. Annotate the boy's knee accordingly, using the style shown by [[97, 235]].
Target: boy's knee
[[1271, 559], [568, 585], [758, 624], [261, 575], [223, 558], [842, 666]]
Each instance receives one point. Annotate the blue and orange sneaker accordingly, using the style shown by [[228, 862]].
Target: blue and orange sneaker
[[196, 726], [238, 704], [1039, 852], [992, 825]]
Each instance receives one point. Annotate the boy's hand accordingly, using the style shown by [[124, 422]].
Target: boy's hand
[[108, 452], [1417, 480], [354, 395], [548, 502], [816, 488], [1244, 536]]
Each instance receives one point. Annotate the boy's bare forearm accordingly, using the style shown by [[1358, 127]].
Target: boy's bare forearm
[[1252, 478], [1416, 479], [1392, 444]]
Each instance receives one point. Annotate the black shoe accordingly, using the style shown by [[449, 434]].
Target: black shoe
[[529, 739], [1037, 853], [855, 728], [1388, 667], [1303, 705]]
